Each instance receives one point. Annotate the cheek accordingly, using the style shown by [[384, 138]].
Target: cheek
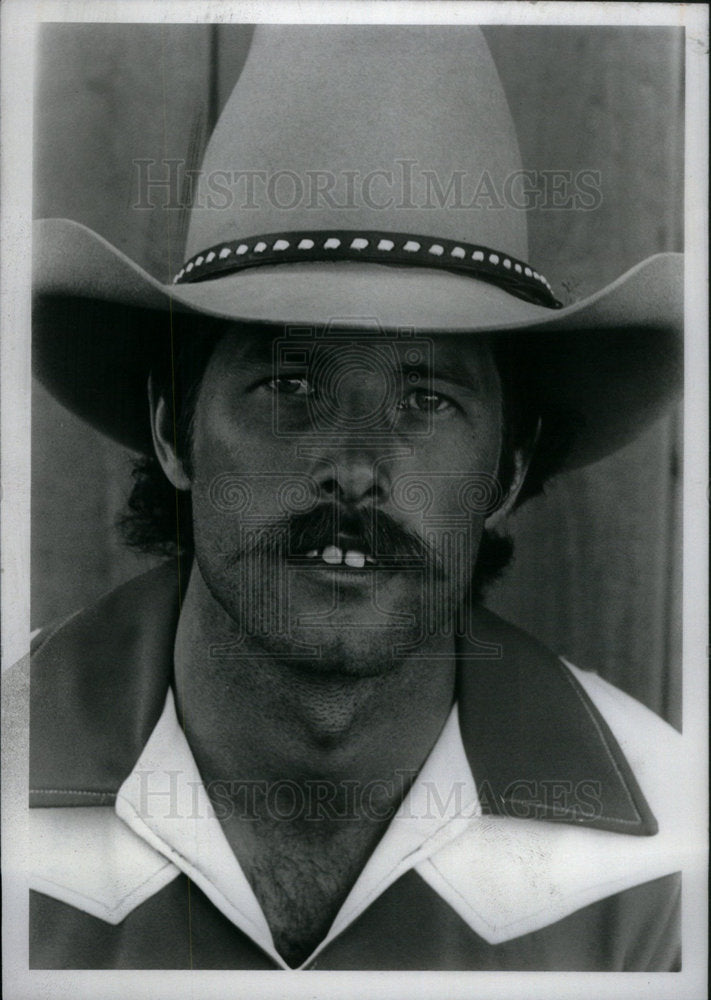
[[458, 459], [475, 453], [448, 487], [235, 468], [228, 440]]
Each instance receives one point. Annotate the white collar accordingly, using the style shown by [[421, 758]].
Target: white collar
[[165, 803]]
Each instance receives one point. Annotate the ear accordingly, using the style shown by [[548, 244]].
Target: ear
[[522, 461], [163, 432]]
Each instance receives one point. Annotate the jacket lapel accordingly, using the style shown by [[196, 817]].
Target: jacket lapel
[[537, 746], [98, 687]]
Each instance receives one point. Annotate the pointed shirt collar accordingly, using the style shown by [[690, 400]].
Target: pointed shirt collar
[[164, 802]]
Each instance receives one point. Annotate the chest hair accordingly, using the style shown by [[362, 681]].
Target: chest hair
[[301, 879]]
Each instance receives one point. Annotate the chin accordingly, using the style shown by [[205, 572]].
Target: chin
[[337, 650], [329, 631]]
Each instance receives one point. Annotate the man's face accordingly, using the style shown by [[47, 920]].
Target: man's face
[[339, 486]]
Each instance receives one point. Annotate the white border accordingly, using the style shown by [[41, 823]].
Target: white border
[[18, 23], [546, 12]]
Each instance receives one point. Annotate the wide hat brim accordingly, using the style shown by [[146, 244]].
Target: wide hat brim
[[614, 359]]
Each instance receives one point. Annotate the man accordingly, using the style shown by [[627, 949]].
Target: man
[[304, 743]]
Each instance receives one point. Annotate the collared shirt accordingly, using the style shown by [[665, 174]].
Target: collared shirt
[[165, 803], [541, 833]]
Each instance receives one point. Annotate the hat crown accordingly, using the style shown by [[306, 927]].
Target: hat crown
[[401, 128]]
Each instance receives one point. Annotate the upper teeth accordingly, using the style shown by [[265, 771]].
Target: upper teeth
[[335, 556]]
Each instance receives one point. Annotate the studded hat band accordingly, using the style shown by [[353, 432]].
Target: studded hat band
[[375, 247]]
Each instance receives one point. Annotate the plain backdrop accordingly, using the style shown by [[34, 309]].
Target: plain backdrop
[[597, 573]]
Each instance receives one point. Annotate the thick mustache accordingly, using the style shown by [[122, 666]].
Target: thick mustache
[[369, 530]]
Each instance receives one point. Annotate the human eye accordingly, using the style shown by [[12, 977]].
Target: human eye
[[289, 385], [427, 401]]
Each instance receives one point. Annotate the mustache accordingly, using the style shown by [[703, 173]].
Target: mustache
[[370, 530]]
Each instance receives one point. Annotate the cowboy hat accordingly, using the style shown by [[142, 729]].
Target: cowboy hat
[[344, 179]]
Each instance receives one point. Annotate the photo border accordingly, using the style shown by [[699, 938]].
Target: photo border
[[19, 23]]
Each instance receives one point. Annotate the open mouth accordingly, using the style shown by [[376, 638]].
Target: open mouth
[[350, 544], [334, 555]]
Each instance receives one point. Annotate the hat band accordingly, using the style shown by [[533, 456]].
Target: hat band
[[375, 247]]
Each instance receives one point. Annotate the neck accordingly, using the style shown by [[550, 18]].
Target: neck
[[250, 718]]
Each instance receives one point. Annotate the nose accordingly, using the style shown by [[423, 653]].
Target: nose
[[352, 475]]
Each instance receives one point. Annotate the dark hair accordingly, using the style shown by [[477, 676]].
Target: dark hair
[[158, 518]]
